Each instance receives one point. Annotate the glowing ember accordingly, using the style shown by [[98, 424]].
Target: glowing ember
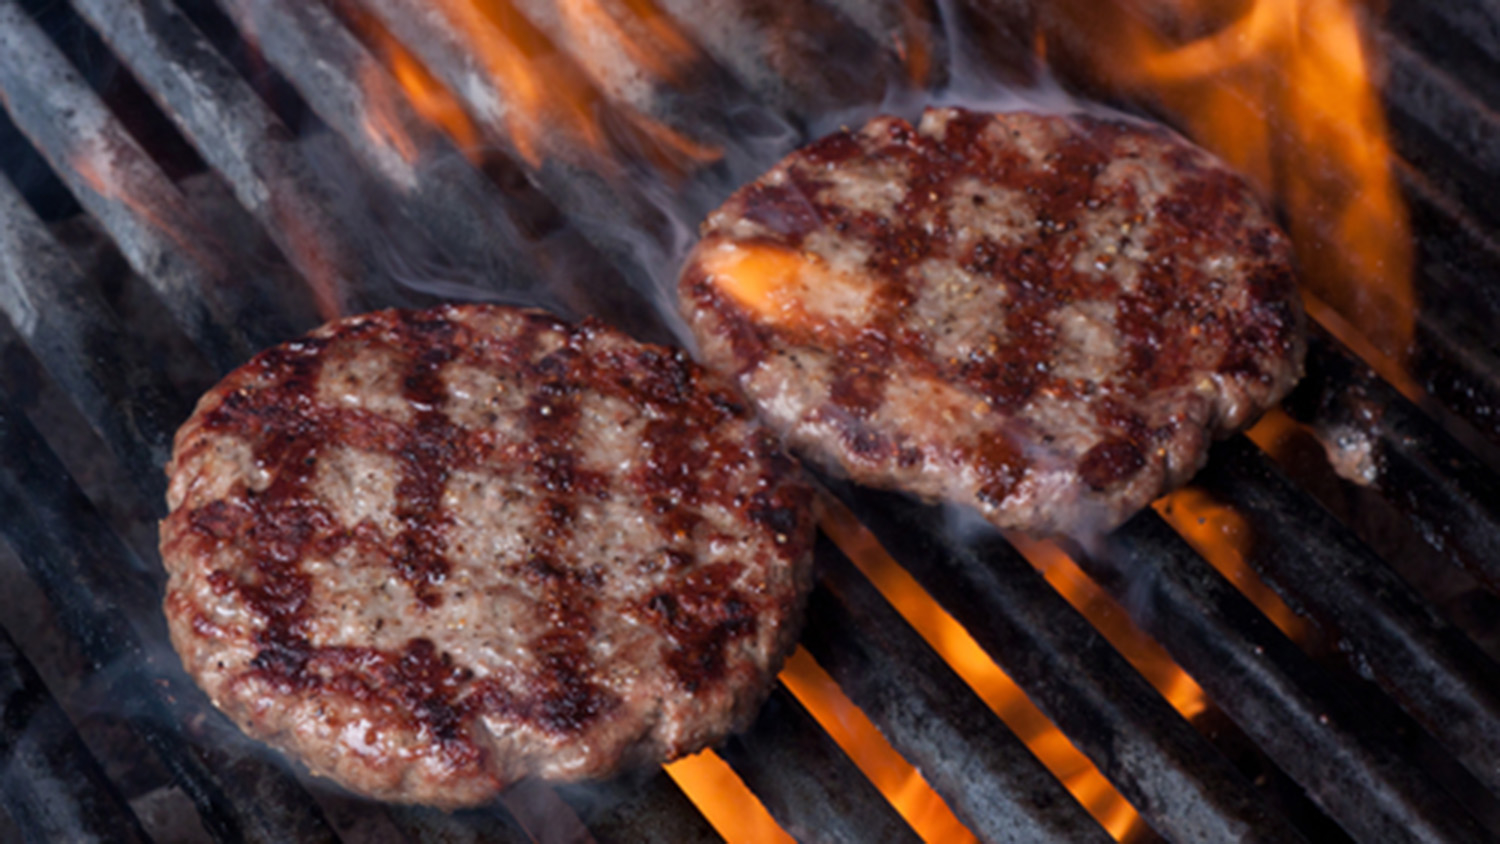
[[1283, 90]]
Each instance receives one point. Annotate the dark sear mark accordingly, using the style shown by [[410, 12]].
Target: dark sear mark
[[429, 456], [702, 614], [1110, 462], [688, 433], [976, 245]]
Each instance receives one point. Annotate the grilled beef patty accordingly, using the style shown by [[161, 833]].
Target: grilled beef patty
[[1044, 317], [429, 553]]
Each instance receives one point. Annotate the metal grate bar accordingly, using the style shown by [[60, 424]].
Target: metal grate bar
[[120, 186], [1456, 257], [1460, 306], [439, 192], [995, 786], [1265, 684], [1442, 128], [240, 138], [80, 341], [81, 567], [640, 76], [798, 56], [1426, 474], [806, 782], [1437, 675], [1463, 37], [636, 237], [538, 808], [467, 827], [51, 786], [630, 810], [1180, 784]]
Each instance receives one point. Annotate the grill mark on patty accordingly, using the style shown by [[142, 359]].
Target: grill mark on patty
[[280, 528], [1168, 242], [784, 209], [262, 538], [1110, 462], [429, 456], [1038, 272], [679, 446], [703, 614], [280, 524], [564, 696]]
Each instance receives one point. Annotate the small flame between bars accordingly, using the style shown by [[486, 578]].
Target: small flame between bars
[[1282, 89], [541, 101]]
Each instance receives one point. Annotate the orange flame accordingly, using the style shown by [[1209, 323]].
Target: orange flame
[[895, 778], [1102, 611], [103, 181], [309, 254], [913, 43], [538, 90], [1281, 89], [647, 36], [969, 661], [724, 799], [433, 102], [547, 106], [1221, 536]]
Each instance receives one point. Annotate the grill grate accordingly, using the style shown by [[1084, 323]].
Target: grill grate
[[1403, 748]]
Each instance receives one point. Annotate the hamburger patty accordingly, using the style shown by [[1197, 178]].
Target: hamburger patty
[[1046, 318], [430, 553]]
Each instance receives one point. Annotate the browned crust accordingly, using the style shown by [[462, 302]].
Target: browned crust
[[408, 721], [1175, 248]]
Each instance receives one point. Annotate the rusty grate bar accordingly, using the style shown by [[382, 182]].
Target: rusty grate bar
[[1180, 784], [1319, 568], [50, 784], [995, 786]]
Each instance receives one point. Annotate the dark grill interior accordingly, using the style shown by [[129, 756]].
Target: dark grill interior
[[188, 182]]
